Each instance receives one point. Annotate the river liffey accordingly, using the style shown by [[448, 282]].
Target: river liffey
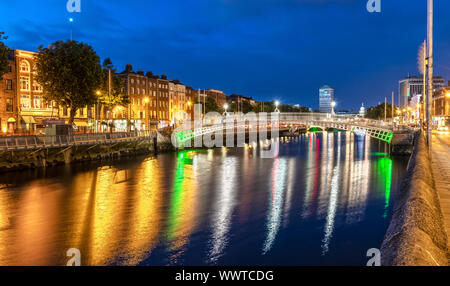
[[324, 200]]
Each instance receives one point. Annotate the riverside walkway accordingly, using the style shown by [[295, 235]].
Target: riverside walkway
[[440, 157], [36, 142]]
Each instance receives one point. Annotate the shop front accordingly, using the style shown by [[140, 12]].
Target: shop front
[[27, 124], [81, 126]]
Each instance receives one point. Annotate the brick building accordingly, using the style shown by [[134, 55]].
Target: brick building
[[8, 100], [218, 95]]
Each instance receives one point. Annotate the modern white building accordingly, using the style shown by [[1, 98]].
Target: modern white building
[[412, 86]]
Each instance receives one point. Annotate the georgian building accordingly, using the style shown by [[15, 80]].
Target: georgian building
[[149, 97]]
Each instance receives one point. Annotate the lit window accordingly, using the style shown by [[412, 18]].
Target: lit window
[[8, 84], [36, 86], [9, 105], [24, 83], [37, 101], [24, 66], [25, 101]]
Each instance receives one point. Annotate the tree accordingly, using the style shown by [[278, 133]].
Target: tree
[[70, 74], [4, 50], [243, 106], [210, 104], [377, 112], [117, 96], [264, 107]]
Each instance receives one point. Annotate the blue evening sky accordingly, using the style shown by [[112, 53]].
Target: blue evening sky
[[267, 49]]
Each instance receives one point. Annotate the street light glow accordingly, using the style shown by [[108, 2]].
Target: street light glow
[[333, 104], [225, 106], [71, 19], [277, 103]]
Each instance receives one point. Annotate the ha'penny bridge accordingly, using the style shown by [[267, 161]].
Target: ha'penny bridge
[[291, 121]]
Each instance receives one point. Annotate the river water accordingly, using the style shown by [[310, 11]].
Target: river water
[[324, 200]]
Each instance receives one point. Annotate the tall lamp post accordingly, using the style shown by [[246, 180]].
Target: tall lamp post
[[71, 21], [277, 103], [430, 70], [147, 112]]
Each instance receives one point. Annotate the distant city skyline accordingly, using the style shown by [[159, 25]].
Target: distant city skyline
[[275, 50]]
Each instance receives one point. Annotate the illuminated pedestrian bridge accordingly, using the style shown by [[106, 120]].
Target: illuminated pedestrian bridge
[[285, 121]]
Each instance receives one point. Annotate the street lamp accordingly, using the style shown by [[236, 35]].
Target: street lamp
[[97, 110], [276, 106], [225, 106], [333, 105]]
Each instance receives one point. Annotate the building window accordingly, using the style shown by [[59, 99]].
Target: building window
[[24, 66], [9, 105], [132, 90], [8, 84], [64, 111], [24, 83], [132, 81], [36, 86], [37, 101], [25, 101], [143, 91], [81, 111]]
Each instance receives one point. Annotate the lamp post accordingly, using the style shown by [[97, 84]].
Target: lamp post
[[277, 103], [71, 21], [97, 111], [148, 111], [333, 105], [225, 106]]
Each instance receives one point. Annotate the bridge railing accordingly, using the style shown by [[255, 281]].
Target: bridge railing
[[9, 143]]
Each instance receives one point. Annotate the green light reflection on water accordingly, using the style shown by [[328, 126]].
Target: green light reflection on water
[[385, 179]]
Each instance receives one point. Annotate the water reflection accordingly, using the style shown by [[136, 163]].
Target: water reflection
[[183, 204], [332, 205], [206, 207], [276, 195], [224, 205]]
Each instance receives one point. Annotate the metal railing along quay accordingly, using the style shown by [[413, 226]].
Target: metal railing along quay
[[12, 143]]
